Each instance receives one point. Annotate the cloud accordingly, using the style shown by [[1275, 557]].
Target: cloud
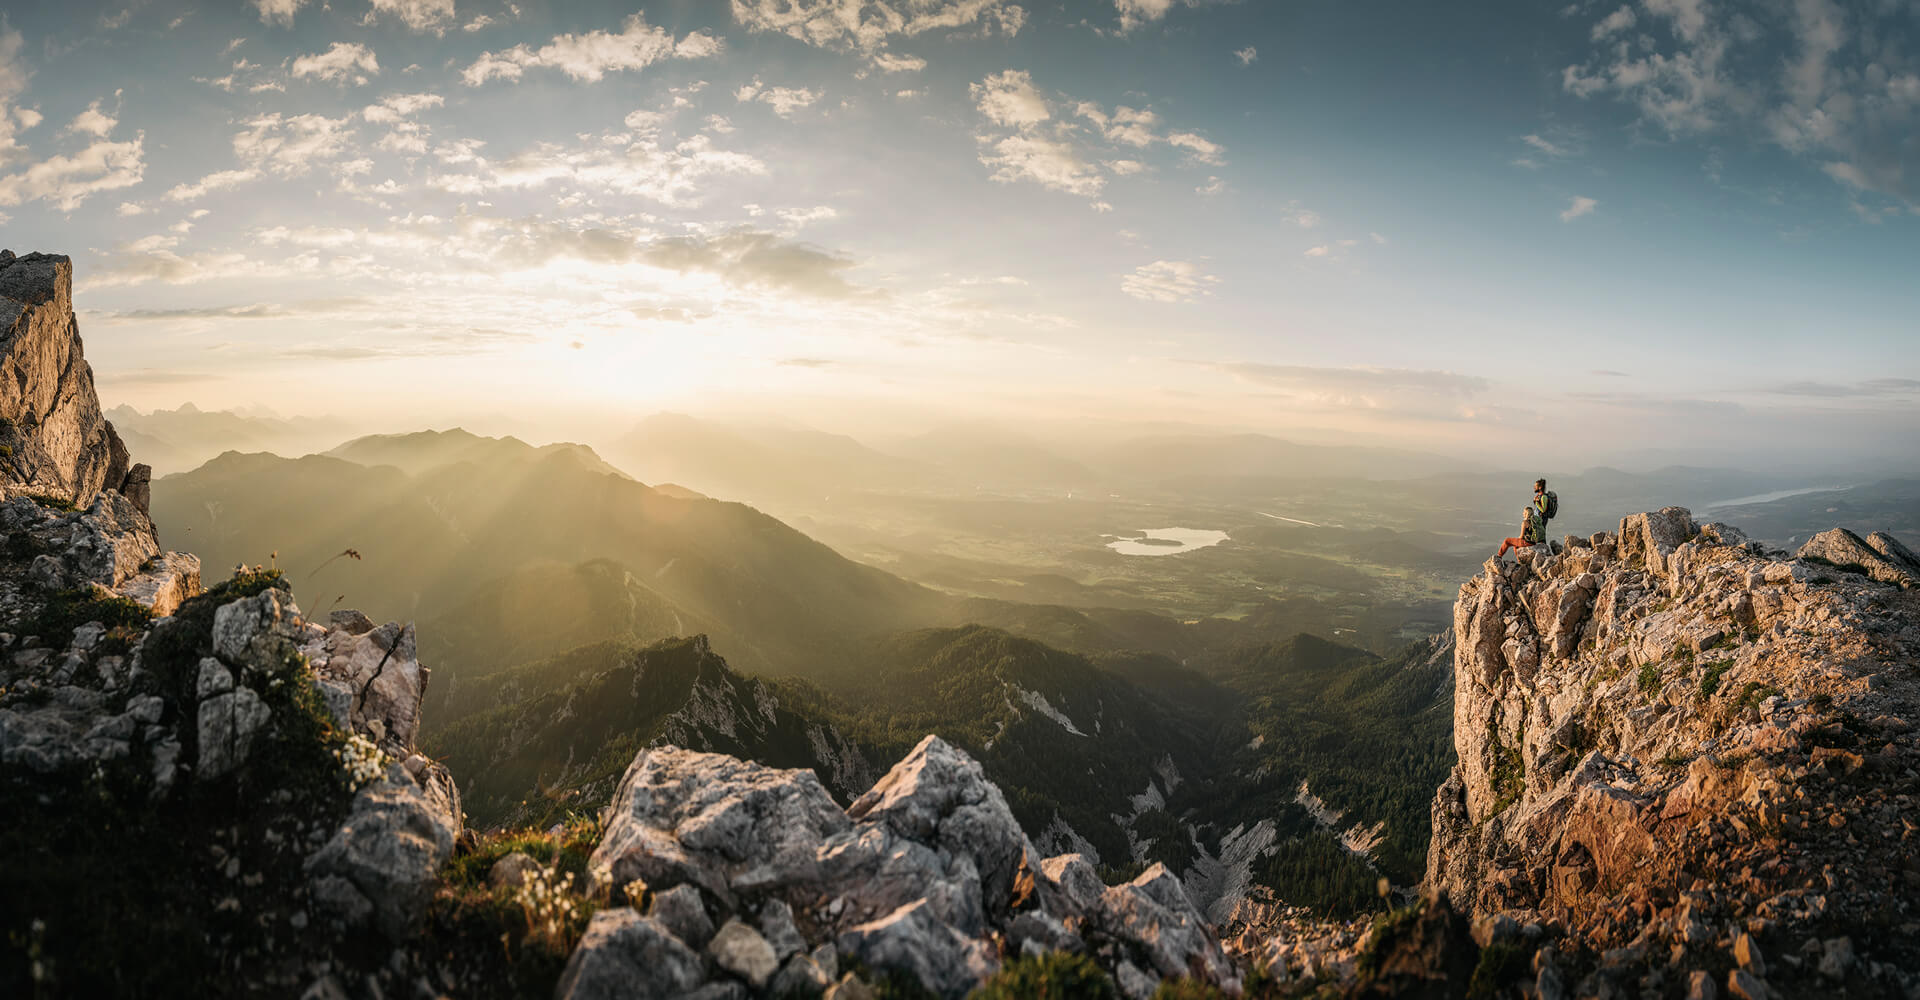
[[804, 363], [1028, 141], [1168, 281], [1878, 387], [672, 173], [93, 122], [13, 82], [340, 61], [1357, 382], [1213, 186], [1009, 98], [217, 181], [1247, 56], [290, 147], [887, 62], [418, 15], [67, 181], [1581, 205], [278, 11], [783, 100], [1610, 373], [756, 259], [479, 21], [1828, 82], [592, 56], [869, 25], [1544, 145], [398, 106]]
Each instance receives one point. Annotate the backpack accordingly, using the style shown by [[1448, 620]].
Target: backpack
[[1553, 505]]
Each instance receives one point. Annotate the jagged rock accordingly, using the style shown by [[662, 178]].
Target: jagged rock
[[1843, 549], [1700, 986], [73, 726], [58, 442], [137, 487], [389, 849], [681, 911], [1836, 958], [164, 583], [777, 926], [624, 954], [1743, 985], [741, 950], [1077, 882], [850, 987], [228, 723], [351, 621], [914, 941], [709, 820], [1154, 916], [377, 673], [1747, 953], [801, 976]]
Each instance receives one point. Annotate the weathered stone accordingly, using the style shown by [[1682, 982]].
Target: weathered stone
[[1153, 914], [1843, 549], [351, 621], [624, 954], [1744, 985], [512, 871], [257, 632], [1836, 957], [1747, 953], [59, 444], [800, 976], [228, 723], [164, 583], [914, 942], [741, 950], [381, 671], [1077, 882], [713, 821], [390, 847], [681, 911], [777, 926]]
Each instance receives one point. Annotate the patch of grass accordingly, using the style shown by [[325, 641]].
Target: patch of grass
[[1062, 976], [1821, 702], [54, 503], [1649, 678], [1509, 777], [1710, 681], [571, 847], [1388, 928], [67, 610], [1753, 693], [1674, 760]]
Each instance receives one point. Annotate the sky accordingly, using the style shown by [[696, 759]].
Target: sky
[[1672, 228]]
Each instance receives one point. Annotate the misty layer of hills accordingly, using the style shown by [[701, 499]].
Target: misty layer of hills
[[1267, 711]]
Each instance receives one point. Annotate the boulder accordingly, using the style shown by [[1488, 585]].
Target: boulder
[[512, 871], [624, 954], [683, 817], [914, 942], [228, 723], [389, 849], [741, 950], [1845, 550], [681, 911], [1153, 915], [164, 583], [380, 671], [258, 631], [58, 443]]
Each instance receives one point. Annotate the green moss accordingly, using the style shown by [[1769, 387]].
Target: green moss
[[1500, 964], [1174, 989], [67, 610], [1055, 976], [1509, 777]]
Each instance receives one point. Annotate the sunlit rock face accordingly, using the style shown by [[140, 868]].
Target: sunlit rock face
[[56, 442], [1669, 729]]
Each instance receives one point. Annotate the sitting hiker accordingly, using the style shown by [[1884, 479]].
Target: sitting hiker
[[1533, 531]]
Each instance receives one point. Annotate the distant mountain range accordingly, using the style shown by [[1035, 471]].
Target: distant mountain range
[[180, 439]]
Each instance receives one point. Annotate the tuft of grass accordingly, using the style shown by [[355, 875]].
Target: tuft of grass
[[1710, 681], [54, 503], [1509, 777], [1753, 693], [1649, 678], [67, 610], [1063, 976], [1500, 964]]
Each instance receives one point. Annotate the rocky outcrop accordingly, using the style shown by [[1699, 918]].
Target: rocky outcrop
[[1879, 556], [1668, 733], [54, 441], [926, 876]]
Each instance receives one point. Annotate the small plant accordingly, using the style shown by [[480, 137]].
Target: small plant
[[362, 760], [1649, 677], [54, 503], [1673, 760], [1821, 702], [1710, 681], [546, 899], [1057, 974], [1753, 693]]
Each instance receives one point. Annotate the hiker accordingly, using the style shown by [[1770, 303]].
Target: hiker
[[1533, 531], [1533, 526]]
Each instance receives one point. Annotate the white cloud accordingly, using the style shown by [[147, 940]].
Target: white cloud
[[1009, 98], [398, 106], [93, 122], [887, 62], [591, 56], [290, 147], [417, 15], [646, 166], [1362, 386], [1168, 281], [1319, 251], [868, 25], [278, 11], [218, 181], [1213, 186], [128, 209], [1047, 162], [480, 21], [1247, 56], [1544, 145], [799, 217], [13, 82], [1581, 205], [1134, 13], [1198, 146], [67, 181], [1618, 21], [784, 100], [1126, 168], [342, 60]]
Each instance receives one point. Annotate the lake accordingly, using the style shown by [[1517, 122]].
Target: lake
[[1167, 541]]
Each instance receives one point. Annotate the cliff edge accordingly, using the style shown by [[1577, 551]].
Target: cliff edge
[[1693, 755]]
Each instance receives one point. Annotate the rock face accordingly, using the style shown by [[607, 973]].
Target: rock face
[[927, 875], [57, 442], [1667, 728]]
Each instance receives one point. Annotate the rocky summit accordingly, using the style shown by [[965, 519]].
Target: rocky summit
[[1691, 756]]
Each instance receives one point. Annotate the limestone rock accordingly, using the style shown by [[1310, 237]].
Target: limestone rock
[[914, 942], [164, 583], [512, 871], [1844, 549], [741, 950], [390, 847], [681, 911], [624, 954], [682, 817], [379, 675], [228, 723], [1153, 915], [58, 442]]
